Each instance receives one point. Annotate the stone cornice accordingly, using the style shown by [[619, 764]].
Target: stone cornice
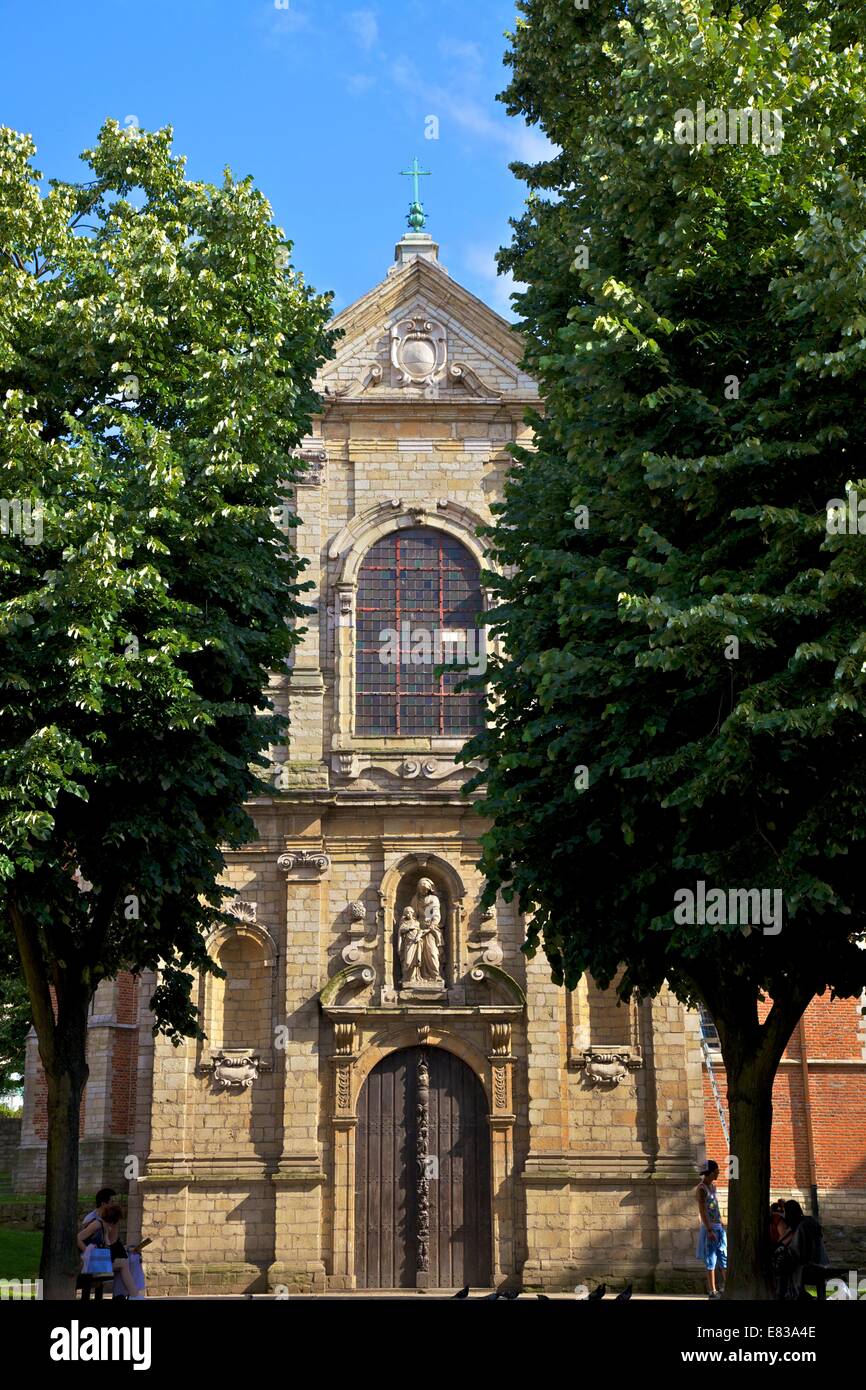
[[436, 1013], [610, 1166]]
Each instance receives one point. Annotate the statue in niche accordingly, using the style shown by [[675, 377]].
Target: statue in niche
[[410, 946], [420, 937]]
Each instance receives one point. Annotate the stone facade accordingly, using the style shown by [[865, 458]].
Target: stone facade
[[248, 1140], [245, 1149]]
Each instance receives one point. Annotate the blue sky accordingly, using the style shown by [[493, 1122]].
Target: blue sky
[[322, 101]]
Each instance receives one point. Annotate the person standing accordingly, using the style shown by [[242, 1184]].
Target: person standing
[[777, 1222], [712, 1245]]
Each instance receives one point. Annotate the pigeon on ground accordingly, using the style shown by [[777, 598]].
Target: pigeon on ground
[[597, 1293], [625, 1295], [491, 1297], [510, 1294], [464, 1292], [543, 1296]]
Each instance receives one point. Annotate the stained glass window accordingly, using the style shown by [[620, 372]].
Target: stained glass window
[[419, 598]]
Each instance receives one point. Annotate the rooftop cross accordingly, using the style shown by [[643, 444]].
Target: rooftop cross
[[417, 216]]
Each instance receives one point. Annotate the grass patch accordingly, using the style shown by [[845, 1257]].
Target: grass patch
[[19, 1253], [29, 1199]]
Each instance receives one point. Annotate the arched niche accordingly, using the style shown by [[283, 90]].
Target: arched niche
[[399, 888], [238, 1008]]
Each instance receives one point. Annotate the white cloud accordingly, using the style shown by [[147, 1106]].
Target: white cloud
[[518, 140], [365, 26], [291, 20], [360, 83], [467, 53], [404, 73], [514, 137]]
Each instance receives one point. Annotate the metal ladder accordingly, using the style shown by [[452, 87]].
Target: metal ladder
[[716, 1096]]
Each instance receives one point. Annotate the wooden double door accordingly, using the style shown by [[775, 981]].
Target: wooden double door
[[422, 1170]]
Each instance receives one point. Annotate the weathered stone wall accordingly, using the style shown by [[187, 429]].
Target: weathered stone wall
[[10, 1138]]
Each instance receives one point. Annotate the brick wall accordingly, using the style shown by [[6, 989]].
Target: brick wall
[[837, 1085], [123, 1070]]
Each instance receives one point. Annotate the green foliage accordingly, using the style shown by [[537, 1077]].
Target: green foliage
[[157, 353], [15, 1016], [707, 506]]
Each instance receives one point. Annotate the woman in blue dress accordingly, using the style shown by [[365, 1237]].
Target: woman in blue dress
[[712, 1245]]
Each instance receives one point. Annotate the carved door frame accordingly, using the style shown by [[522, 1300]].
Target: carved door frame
[[351, 1070]]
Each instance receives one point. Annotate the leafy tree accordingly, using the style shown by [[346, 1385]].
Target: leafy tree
[[14, 1014], [156, 358], [683, 696]]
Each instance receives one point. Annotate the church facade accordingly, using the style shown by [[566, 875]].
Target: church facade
[[390, 1095]]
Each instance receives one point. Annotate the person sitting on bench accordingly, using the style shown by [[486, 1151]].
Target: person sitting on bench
[[106, 1230], [804, 1241], [87, 1282]]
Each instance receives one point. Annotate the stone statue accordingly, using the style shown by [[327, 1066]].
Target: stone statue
[[420, 938], [430, 915], [410, 946]]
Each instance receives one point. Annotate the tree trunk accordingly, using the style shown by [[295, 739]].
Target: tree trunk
[[60, 995], [66, 1078], [750, 1111], [752, 1051]]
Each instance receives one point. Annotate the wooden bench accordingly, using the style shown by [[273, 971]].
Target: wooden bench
[[94, 1283]]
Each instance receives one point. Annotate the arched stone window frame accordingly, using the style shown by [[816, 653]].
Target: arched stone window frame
[[346, 553]]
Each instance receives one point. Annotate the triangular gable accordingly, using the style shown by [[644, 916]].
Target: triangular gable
[[418, 317]]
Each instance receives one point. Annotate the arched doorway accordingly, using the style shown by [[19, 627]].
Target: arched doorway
[[422, 1174]]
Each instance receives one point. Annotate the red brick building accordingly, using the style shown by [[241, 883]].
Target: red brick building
[[819, 1118], [108, 1111]]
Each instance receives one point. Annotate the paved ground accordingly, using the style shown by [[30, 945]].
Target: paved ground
[[408, 1293]]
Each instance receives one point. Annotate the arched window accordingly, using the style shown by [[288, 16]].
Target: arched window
[[419, 598]]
